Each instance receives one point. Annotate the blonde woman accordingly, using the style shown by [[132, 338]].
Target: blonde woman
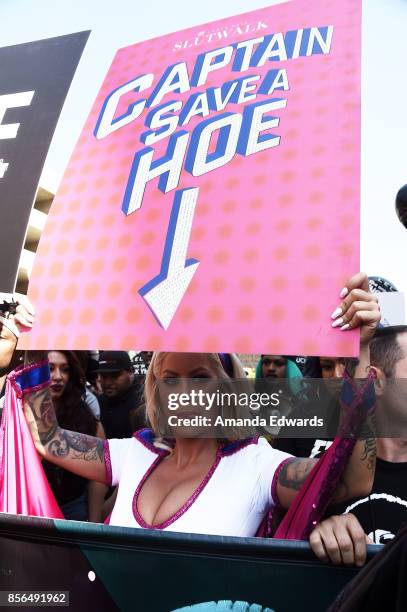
[[202, 485]]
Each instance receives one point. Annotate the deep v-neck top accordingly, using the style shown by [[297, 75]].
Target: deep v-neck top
[[232, 499]]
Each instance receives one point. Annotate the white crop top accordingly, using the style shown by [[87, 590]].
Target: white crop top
[[232, 499]]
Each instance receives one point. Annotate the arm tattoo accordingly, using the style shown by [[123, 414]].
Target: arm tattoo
[[47, 436], [369, 453], [43, 414], [43, 409], [61, 442], [77, 445], [367, 435], [294, 473]]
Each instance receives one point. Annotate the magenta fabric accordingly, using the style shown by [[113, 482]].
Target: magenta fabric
[[24, 488], [317, 491]]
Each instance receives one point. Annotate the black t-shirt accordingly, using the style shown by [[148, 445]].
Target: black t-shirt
[[384, 511], [115, 413], [302, 447], [325, 406]]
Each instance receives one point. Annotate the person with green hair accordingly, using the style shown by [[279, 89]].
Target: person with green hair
[[280, 366], [277, 366]]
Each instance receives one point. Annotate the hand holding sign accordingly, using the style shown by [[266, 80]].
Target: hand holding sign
[[16, 315], [359, 308]]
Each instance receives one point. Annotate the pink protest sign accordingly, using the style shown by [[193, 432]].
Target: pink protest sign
[[212, 201]]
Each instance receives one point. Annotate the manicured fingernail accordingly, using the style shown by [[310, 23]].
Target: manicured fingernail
[[23, 321], [338, 322], [336, 313], [345, 327], [344, 292]]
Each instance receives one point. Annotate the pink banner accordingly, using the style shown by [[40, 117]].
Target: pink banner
[[212, 201], [24, 488]]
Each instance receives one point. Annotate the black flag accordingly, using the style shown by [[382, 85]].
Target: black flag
[[34, 80]]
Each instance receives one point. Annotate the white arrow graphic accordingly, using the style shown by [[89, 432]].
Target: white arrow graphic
[[164, 293]]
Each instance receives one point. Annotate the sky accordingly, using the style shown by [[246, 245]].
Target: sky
[[124, 22]]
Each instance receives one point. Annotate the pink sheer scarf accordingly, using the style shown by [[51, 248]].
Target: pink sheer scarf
[[24, 488], [318, 489], [315, 494]]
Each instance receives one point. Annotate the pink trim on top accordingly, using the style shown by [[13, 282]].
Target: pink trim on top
[[184, 507], [275, 481], [108, 463]]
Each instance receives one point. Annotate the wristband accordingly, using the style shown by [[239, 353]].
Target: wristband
[[363, 395], [28, 379], [358, 403]]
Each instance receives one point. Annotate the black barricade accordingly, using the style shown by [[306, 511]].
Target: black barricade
[[109, 568]]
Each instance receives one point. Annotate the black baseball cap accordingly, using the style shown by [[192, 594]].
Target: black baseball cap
[[114, 361]]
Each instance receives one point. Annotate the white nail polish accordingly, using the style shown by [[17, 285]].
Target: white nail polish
[[338, 322], [345, 327], [344, 293], [336, 313]]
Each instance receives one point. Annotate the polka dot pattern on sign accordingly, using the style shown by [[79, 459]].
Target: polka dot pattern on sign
[[275, 233]]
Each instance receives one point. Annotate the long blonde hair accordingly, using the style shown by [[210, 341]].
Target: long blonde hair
[[154, 373]]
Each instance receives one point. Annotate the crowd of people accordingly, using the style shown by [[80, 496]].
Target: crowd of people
[[106, 460]]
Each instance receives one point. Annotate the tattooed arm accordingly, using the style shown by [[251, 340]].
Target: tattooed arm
[[356, 480], [76, 452], [359, 309]]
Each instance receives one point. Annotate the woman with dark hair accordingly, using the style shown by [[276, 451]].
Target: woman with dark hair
[[78, 498]]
